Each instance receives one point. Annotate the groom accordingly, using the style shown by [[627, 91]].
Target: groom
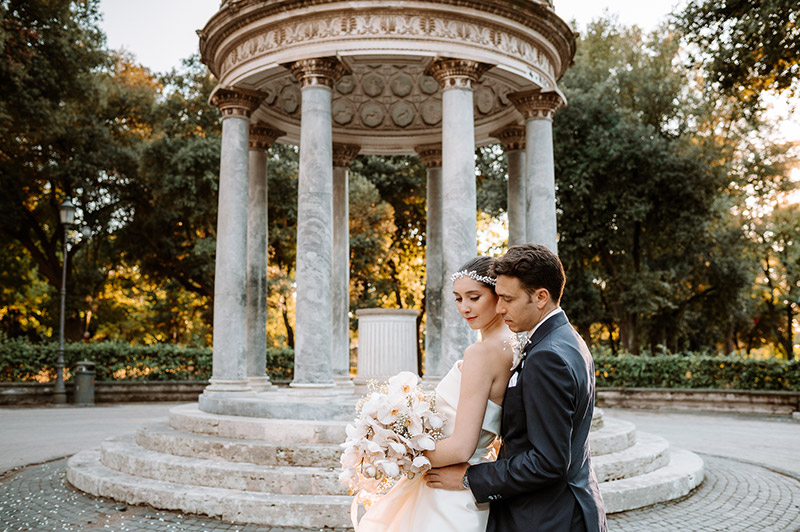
[[542, 479]]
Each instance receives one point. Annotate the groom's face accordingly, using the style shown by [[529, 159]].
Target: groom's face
[[518, 308]]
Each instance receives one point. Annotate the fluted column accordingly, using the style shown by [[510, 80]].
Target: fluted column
[[459, 203], [538, 109], [431, 156], [512, 139], [261, 138], [229, 372], [343, 155], [313, 338]]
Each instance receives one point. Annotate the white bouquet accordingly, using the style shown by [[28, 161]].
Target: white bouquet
[[395, 423]]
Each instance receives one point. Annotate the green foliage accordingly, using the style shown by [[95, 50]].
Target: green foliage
[[696, 371], [22, 361], [747, 46]]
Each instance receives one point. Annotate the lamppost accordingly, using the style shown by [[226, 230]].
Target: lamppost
[[67, 214]]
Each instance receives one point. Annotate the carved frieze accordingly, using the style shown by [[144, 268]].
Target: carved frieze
[[406, 25]]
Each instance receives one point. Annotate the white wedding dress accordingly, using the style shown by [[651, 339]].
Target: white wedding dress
[[411, 506]]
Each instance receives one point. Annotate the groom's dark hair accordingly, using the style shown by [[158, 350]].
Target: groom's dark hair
[[535, 266]]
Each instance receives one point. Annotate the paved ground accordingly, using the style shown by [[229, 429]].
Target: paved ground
[[752, 474]]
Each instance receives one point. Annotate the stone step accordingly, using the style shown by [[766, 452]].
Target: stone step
[[189, 418], [683, 473], [123, 455], [615, 435], [161, 438], [649, 453], [87, 473], [597, 419]]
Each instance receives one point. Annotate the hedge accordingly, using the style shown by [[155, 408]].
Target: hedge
[[21, 361], [696, 371]]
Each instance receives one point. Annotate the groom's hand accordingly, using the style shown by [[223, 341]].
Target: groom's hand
[[446, 478]]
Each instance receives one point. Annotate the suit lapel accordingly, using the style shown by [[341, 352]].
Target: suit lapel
[[546, 328]]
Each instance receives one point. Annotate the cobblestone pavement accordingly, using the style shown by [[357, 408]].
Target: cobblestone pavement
[[735, 496]]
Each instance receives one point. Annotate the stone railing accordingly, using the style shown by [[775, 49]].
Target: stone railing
[[705, 400]]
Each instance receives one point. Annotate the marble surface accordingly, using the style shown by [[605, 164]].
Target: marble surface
[[433, 275], [229, 363], [459, 211], [341, 274], [313, 348], [541, 186], [517, 197]]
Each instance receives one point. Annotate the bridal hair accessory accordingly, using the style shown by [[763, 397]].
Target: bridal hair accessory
[[472, 274], [396, 422]]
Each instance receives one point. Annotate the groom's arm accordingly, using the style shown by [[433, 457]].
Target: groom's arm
[[548, 395]]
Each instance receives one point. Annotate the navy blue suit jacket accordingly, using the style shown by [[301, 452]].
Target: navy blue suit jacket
[[543, 479]]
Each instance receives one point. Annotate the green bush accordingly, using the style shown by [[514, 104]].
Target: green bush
[[21, 361], [696, 371]]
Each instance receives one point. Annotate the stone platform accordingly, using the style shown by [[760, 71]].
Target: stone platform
[[284, 472]]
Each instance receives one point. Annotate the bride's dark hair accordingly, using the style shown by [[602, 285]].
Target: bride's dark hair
[[478, 269]]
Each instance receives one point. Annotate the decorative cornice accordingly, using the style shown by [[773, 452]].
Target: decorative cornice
[[323, 71], [237, 102], [460, 73], [343, 154], [263, 136], [511, 137], [431, 155], [537, 104]]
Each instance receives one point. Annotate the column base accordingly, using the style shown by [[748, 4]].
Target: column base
[[260, 384], [239, 388], [343, 381]]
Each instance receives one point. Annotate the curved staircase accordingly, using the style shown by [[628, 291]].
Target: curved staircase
[[284, 472]]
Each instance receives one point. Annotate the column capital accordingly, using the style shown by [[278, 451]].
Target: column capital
[[237, 102], [457, 73], [511, 137], [323, 71], [263, 136], [431, 154], [343, 154], [537, 104]]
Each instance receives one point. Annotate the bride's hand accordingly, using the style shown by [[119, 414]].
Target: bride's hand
[[446, 478]]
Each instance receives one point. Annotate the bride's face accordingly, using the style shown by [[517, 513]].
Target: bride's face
[[476, 303]]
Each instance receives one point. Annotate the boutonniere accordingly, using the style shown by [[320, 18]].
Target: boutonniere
[[517, 342]]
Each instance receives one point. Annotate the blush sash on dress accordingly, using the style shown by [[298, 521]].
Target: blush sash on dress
[[411, 506]]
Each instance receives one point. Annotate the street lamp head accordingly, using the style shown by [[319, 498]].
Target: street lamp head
[[67, 212]]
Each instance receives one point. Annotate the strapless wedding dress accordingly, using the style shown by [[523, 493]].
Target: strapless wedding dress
[[411, 506]]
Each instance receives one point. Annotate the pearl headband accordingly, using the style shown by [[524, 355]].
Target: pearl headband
[[472, 274]]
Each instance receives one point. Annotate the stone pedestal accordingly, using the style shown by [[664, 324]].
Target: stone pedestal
[[512, 139], [538, 109], [230, 317], [459, 196], [431, 155], [261, 137], [343, 155], [387, 343], [313, 347]]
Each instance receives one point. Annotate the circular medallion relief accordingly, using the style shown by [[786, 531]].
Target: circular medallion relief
[[343, 112], [271, 95], [431, 112], [401, 85], [372, 114], [372, 84], [484, 100], [402, 113], [346, 84], [290, 98], [428, 85]]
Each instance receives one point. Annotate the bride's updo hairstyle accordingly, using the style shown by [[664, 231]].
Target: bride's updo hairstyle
[[477, 269]]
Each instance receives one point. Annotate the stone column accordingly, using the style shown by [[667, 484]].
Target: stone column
[[313, 339], [538, 109], [261, 138], [513, 140], [229, 372], [459, 203], [343, 155], [431, 155], [387, 343]]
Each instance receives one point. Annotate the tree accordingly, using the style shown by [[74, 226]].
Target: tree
[[749, 46]]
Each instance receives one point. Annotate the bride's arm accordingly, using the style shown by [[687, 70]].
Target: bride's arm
[[476, 383]]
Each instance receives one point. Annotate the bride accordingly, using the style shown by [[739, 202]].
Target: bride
[[474, 388]]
